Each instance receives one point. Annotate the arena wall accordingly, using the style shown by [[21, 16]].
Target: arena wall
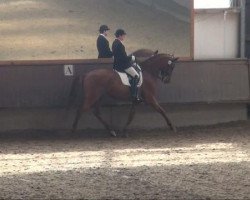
[[34, 95]]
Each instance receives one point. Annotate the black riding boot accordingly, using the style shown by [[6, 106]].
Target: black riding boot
[[134, 90]]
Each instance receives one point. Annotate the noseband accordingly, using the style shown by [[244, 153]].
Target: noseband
[[164, 73]]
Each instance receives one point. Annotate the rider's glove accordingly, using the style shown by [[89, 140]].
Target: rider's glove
[[133, 58]]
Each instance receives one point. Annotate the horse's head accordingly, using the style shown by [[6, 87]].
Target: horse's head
[[166, 68], [161, 66]]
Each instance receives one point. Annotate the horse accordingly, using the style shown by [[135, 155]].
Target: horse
[[100, 82], [144, 53]]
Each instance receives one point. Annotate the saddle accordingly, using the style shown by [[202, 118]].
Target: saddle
[[126, 78]]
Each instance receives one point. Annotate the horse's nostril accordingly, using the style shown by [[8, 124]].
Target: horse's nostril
[[167, 79]]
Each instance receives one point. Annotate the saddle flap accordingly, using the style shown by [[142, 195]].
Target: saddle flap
[[125, 78]]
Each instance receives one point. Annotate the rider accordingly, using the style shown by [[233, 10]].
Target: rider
[[124, 63], [103, 44]]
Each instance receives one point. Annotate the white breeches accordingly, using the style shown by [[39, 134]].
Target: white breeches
[[132, 72]]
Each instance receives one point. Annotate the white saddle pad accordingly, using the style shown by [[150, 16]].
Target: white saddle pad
[[125, 80]]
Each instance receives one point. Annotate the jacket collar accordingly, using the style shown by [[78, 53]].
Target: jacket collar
[[119, 40], [103, 35]]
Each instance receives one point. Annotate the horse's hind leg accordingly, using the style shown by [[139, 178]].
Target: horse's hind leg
[[130, 119], [97, 113], [86, 106], [153, 102], [78, 116], [73, 92]]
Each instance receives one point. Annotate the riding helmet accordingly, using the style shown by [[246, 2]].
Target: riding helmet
[[103, 28], [119, 32]]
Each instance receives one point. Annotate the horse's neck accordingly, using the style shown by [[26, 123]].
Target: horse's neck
[[153, 72], [152, 65]]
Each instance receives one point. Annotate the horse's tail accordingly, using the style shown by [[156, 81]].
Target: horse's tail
[[76, 89]]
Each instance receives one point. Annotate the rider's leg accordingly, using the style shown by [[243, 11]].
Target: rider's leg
[[134, 89], [132, 72]]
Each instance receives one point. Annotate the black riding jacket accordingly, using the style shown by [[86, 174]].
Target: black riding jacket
[[103, 47], [121, 60]]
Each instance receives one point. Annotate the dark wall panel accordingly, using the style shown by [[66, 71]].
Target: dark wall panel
[[207, 81], [45, 85], [38, 86]]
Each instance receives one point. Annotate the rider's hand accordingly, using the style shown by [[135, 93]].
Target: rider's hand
[[133, 58]]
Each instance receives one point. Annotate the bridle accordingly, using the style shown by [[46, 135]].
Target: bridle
[[166, 72]]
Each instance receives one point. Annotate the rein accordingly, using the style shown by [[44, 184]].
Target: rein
[[149, 66]]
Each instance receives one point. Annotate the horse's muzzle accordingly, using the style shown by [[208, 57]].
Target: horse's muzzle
[[166, 79]]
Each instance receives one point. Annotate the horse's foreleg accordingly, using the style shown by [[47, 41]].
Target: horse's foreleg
[[97, 113], [130, 119], [153, 102]]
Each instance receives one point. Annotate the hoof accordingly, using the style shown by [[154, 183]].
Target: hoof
[[174, 129], [125, 135], [113, 133]]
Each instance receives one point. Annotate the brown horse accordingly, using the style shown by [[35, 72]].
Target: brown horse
[[99, 82]]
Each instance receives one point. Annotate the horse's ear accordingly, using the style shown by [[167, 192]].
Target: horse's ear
[[156, 52], [175, 59]]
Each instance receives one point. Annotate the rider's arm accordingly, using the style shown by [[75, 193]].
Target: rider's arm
[[123, 54]]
